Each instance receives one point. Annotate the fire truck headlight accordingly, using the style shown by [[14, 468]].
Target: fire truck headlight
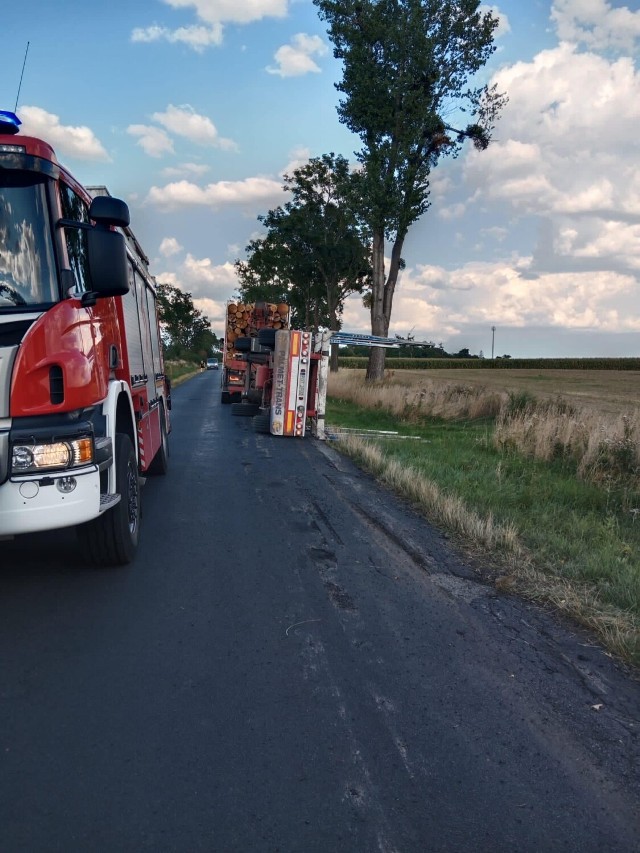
[[57, 455], [22, 458]]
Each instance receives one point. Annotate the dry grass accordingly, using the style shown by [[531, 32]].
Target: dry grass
[[428, 496], [415, 400], [605, 448], [604, 445]]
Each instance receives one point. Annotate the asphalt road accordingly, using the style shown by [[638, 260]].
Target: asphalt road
[[296, 662]]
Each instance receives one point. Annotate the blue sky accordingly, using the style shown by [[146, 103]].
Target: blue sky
[[192, 110]]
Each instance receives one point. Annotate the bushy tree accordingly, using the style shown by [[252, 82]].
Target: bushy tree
[[315, 251], [186, 331], [407, 66]]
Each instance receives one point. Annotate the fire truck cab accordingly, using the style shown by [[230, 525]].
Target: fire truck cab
[[84, 399]]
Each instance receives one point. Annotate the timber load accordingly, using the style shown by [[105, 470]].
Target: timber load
[[245, 319]]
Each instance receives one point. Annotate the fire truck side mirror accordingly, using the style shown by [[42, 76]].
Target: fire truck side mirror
[[107, 262], [106, 210]]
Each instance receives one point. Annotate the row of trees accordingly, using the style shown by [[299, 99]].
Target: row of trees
[[186, 332], [407, 66]]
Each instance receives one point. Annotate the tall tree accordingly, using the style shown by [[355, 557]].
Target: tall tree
[[406, 71], [315, 251]]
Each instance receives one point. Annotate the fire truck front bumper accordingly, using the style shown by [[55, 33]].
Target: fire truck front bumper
[[31, 504]]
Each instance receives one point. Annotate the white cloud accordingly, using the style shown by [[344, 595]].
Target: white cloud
[[197, 38], [296, 59], [596, 24], [504, 27], [434, 303], [185, 170], [251, 192], [68, 141], [215, 312], [169, 247], [452, 211], [567, 154], [211, 285], [204, 273], [298, 157], [154, 141], [237, 11], [185, 121], [495, 232], [213, 14]]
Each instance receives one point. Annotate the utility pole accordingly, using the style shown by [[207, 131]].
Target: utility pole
[[493, 339]]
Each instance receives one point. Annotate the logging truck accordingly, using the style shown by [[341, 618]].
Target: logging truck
[[84, 398], [245, 320], [285, 379], [283, 374]]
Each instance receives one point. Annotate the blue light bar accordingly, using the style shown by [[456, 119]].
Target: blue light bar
[[9, 122]]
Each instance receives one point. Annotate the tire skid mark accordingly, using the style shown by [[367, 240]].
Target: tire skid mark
[[359, 791], [325, 520], [326, 563], [389, 712], [339, 597]]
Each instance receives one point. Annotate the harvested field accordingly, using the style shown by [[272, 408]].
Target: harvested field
[[607, 391]]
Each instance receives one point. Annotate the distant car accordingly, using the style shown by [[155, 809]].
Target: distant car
[[212, 364]]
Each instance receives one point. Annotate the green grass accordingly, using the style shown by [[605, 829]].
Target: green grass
[[179, 371], [579, 542]]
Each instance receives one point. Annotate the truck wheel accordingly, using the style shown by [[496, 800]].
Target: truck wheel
[[261, 423], [225, 398], [244, 410], [160, 462], [112, 538]]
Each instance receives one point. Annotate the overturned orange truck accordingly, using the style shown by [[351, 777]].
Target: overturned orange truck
[[273, 374]]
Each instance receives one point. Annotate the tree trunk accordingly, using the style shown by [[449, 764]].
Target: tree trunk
[[334, 325], [382, 290], [333, 358]]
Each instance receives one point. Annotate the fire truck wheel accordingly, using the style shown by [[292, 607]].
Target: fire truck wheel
[[225, 398], [244, 410], [112, 538], [160, 462], [261, 423]]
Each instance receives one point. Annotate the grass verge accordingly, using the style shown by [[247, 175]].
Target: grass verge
[[551, 536], [180, 371]]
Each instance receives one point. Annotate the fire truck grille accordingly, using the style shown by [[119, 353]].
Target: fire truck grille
[[56, 384]]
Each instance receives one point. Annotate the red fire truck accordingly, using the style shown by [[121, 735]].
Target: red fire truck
[[84, 399]]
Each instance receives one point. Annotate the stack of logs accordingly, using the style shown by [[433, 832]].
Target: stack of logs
[[245, 319]]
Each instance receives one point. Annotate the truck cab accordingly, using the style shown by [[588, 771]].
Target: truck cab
[[83, 401]]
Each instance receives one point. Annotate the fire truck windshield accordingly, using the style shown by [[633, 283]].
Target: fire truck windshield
[[28, 276]]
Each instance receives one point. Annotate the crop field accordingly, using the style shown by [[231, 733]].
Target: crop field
[[611, 392]]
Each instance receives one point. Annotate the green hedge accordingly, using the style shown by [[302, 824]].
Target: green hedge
[[498, 363]]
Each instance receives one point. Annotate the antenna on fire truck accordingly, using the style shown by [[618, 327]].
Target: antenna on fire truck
[[21, 76]]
